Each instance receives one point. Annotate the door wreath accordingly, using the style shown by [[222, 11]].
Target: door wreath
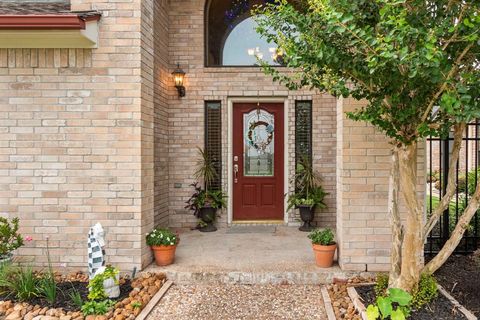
[[253, 141]]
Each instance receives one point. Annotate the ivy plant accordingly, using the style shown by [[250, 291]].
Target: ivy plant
[[97, 292]]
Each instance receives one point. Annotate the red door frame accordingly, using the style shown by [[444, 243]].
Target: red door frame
[[268, 200]]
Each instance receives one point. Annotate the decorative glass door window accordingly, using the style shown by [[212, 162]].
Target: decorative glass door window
[[259, 146]]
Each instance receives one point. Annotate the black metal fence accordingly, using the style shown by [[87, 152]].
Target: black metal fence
[[467, 176]]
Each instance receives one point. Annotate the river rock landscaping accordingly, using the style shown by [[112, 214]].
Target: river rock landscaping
[[341, 302], [135, 294]]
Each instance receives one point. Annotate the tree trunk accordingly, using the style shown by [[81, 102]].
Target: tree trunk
[[412, 248], [457, 234], [395, 222], [459, 130]]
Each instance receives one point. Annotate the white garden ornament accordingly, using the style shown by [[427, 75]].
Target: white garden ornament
[[110, 285], [96, 249], [96, 260]]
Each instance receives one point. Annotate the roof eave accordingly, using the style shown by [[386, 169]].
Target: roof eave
[[46, 22]]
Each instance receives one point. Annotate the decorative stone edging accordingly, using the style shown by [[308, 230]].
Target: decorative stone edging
[[360, 307], [146, 290], [328, 304]]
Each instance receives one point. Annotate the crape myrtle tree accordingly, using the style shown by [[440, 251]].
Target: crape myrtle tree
[[416, 64]]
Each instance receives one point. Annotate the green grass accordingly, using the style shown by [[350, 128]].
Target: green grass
[[435, 201]]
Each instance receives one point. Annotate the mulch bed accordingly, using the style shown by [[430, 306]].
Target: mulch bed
[[63, 294], [460, 276], [134, 296], [439, 309]]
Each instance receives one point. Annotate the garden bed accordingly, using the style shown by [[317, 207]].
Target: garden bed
[[440, 308], [460, 276], [134, 296]]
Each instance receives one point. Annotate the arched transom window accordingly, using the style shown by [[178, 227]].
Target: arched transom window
[[231, 39]]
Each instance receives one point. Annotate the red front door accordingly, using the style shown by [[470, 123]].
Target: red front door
[[258, 157]]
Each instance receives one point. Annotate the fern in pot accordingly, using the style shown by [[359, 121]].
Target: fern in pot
[[205, 201], [309, 195]]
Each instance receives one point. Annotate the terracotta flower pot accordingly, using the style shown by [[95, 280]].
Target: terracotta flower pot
[[324, 255], [164, 255]]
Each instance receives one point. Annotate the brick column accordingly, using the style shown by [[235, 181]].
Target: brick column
[[363, 226]]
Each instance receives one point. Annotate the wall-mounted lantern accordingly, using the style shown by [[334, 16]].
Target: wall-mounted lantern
[[179, 76]]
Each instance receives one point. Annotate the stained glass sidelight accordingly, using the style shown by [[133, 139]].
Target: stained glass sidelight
[[303, 131], [259, 143]]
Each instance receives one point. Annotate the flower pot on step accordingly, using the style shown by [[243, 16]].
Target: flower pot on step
[[164, 255], [324, 255], [208, 215], [307, 214]]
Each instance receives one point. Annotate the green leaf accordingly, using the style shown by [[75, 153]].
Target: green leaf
[[385, 306], [397, 315], [399, 296], [372, 312]]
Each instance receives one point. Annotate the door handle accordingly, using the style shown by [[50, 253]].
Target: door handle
[[235, 172]]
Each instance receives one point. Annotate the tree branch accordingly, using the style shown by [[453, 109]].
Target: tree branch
[[457, 234], [444, 86], [459, 130], [455, 33]]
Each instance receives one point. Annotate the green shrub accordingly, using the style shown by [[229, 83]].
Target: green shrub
[[322, 237], [95, 285], [426, 291], [381, 285], [10, 239], [97, 307], [7, 274]]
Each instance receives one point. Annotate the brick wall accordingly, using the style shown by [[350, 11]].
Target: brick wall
[[363, 225], [186, 115], [73, 125], [163, 91]]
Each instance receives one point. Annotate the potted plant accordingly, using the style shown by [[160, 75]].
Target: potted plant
[[308, 195], [10, 239], [163, 243], [205, 201], [324, 246]]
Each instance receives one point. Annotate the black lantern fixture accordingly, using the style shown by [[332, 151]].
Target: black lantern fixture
[[179, 76]]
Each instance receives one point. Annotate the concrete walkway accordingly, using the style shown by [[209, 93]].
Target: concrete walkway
[[232, 302], [280, 256]]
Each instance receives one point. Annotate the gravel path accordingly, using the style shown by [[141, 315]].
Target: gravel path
[[232, 302]]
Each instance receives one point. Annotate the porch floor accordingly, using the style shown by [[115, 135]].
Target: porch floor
[[282, 256]]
